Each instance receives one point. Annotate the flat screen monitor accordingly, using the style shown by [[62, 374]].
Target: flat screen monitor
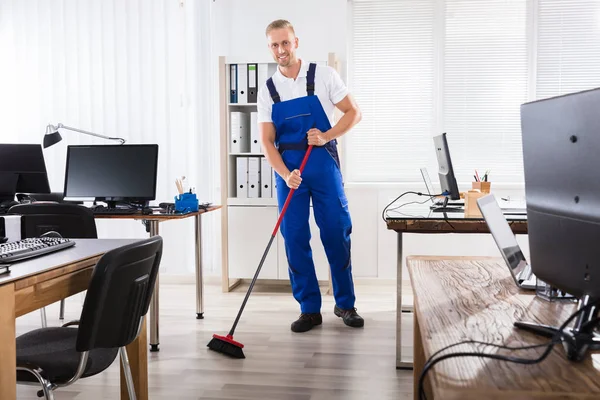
[[561, 145], [22, 170], [561, 141], [112, 173], [445, 170]]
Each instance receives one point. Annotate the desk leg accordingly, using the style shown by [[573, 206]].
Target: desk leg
[[138, 361], [154, 336], [399, 363], [8, 346], [199, 272]]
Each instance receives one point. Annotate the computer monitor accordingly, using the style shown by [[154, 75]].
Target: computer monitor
[[112, 173], [561, 139], [22, 170], [445, 170]]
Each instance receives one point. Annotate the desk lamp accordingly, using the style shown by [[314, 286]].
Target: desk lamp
[[52, 136]]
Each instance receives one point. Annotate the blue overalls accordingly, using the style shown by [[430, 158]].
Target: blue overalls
[[321, 180]]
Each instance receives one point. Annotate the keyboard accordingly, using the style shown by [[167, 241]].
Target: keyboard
[[33, 247]]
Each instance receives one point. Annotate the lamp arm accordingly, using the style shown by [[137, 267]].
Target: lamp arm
[[90, 133]]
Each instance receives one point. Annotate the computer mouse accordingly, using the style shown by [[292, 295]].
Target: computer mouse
[[51, 234]]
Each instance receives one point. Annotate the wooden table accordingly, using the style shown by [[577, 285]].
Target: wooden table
[[41, 281], [151, 222], [421, 219], [475, 298]]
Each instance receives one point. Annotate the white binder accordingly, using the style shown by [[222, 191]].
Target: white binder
[[253, 177], [263, 74], [265, 178], [239, 132], [242, 72], [241, 177], [274, 184], [255, 146]]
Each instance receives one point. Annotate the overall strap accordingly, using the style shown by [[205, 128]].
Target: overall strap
[[273, 91], [310, 79]]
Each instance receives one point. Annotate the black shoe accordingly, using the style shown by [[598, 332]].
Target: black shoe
[[350, 317], [306, 322]]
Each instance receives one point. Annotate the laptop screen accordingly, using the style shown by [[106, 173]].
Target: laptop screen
[[428, 184], [503, 236]]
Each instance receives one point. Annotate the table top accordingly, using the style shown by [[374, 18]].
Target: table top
[[475, 298], [419, 218], [82, 250], [156, 216]]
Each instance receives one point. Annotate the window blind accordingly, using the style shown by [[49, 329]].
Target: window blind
[[568, 48], [484, 83], [391, 78], [420, 68]]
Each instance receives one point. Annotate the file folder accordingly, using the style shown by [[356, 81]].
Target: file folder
[[242, 83], [239, 132], [263, 74], [265, 178], [255, 146], [252, 82], [233, 83], [241, 177], [253, 177]]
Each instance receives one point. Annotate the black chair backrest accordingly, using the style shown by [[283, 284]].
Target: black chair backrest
[[70, 220], [119, 295]]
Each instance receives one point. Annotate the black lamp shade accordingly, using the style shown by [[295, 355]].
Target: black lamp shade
[[51, 139]]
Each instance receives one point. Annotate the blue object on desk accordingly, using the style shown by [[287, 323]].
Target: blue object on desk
[[186, 203]]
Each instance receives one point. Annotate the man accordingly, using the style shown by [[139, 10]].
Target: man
[[295, 110]]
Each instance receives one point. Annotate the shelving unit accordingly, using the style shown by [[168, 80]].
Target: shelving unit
[[247, 222]]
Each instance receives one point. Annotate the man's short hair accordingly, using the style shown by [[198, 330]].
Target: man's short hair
[[280, 24]]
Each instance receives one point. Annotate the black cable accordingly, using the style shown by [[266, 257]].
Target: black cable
[[555, 339], [410, 202], [403, 194]]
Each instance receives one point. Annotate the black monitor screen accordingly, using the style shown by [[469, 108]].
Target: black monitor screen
[[445, 171], [22, 169], [112, 172]]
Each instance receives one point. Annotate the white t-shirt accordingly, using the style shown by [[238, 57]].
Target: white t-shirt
[[329, 88]]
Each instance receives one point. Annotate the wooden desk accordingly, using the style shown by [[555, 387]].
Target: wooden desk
[[41, 281], [151, 221], [421, 219], [475, 298]]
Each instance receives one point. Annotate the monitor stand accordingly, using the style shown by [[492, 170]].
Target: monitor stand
[[444, 207], [577, 340]]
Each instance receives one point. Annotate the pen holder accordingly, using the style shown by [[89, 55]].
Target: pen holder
[[483, 187], [471, 208], [186, 202]]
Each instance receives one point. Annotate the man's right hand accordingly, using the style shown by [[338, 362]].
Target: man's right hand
[[293, 179]]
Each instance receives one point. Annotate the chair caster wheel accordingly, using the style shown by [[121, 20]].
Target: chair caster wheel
[[200, 315], [153, 347]]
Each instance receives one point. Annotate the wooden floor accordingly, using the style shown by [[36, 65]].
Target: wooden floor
[[330, 362]]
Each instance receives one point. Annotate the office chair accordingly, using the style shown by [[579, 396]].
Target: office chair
[[70, 220], [116, 302]]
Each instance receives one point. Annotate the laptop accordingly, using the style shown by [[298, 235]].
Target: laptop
[[429, 186], [507, 242]]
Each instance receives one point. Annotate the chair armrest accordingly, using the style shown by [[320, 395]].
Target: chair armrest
[[71, 323]]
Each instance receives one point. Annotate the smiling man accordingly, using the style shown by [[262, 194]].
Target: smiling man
[[295, 110]]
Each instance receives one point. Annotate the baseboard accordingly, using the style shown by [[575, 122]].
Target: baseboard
[[190, 279]]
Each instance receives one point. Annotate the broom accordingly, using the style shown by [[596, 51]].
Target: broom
[[226, 344]]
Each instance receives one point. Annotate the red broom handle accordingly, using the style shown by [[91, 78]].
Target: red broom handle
[[289, 197]]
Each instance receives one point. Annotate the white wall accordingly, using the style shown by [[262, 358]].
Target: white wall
[[322, 28], [240, 27]]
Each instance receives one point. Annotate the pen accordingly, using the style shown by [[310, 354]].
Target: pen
[[477, 176]]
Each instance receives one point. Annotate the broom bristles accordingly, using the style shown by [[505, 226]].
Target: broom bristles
[[221, 345]]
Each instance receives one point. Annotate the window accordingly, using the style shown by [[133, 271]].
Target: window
[[568, 48], [420, 68]]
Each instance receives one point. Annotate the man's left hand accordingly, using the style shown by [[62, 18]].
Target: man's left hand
[[316, 137]]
